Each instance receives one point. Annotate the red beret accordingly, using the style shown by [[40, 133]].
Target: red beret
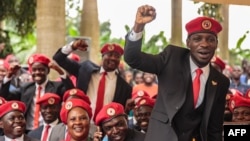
[[49, 99], [12, 106], [140, 93], [203, 24], [219, 62], [108, 112], [74, 56], [238, 101], [40, 58], [2, 100], [6, 61], [145, 101], [72, 103], [78, 93], [112, 47]]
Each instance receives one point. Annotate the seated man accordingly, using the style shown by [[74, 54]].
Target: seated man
[[112, 121], [240, 108], [13, 122], [142, 112]]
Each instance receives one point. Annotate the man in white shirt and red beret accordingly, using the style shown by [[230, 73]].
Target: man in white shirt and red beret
[[50, 105], [30, 92], [191, 94], [13, 122], [89, 74]]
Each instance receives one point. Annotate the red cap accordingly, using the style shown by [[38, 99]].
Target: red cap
[[203, 24], [138, 94], [145, 101], [49, 99], [108, 112], [74, 56], [6, 61], [12, 105], [112, 47], [72, 103], [76, 92], [217, 60], [40, 58], [238, 101], [2, 100]]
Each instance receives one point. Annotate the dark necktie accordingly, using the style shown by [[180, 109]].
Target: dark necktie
[[100, 94], [196, 85]]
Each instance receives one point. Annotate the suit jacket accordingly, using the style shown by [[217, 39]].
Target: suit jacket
[[36, 133], [83, 73], [172, 68], [58, 132], [27, 91], [26, 138]]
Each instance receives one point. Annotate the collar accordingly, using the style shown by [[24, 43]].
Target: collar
[[52, 124], [43, 84], [193, 67], [21, 138]]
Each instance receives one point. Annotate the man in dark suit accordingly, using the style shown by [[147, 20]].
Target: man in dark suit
[[112, 121], [88, 74], [28, 93], [50, 108], [178, 114], [13, 122]]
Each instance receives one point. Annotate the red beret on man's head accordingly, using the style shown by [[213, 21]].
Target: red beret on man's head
[[112, 48], [76, 93], [203, 24], [12, 105], [109, 112], [40, 58], [238, 101], [217, 60], [145, 101], [49, 99], [136, 95], [72, 103]]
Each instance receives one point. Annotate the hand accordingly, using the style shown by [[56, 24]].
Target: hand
[[97, 134], [130, 104], [80, 44], [145, 14], [13, 68], [55, 66]]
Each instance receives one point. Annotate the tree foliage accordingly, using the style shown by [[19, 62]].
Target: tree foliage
[[19, 16]]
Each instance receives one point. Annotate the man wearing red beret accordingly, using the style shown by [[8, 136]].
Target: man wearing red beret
[[113, 122], [240, 108], [50, 104], [191, 96], [13, 122], [30, 92], [89, 74]]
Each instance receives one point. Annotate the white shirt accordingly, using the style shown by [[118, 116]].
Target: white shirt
[[203, 80], [17, 139], [53, 124]]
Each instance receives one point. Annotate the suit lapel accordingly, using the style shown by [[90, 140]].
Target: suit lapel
[[210, 91]]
